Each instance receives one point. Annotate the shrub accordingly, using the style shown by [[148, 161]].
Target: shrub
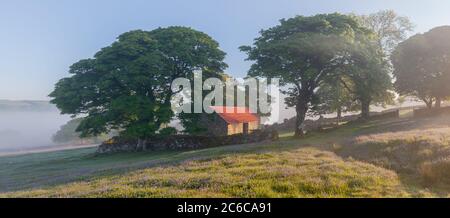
[[437, 171], [168, 131]]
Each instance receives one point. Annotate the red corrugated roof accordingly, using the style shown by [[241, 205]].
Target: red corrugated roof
[[235, 114]]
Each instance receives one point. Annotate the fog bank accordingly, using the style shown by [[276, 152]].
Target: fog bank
[[22, 129]]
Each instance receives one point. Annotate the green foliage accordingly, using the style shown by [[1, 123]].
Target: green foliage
[[168, 131], [369, 75], [389, 27], [422, 66], [303, 52], [332, 96], [192, 123], [127, 86], [371, 71], [68, 134]]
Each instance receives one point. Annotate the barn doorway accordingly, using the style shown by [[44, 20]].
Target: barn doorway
[[245, 128]]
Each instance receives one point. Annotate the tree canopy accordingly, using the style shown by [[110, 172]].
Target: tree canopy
[[389, 27], [422, 66], [68, 134], [127, 85], [367, 80], [303, 52], [369, 75], [334, 95]]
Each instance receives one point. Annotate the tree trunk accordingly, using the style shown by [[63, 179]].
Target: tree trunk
[[438, 102], [301, 109], [141, 144], [339, 115], [365, 109], [429, 103]]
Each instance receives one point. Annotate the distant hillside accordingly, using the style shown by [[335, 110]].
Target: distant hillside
[[38, 106]]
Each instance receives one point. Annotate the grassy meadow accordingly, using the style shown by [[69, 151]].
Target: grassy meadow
[[389, 158]]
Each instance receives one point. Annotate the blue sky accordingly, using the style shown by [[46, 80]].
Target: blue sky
[[39, 40]]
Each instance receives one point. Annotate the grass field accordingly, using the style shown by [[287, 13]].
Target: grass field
[[393, 158]]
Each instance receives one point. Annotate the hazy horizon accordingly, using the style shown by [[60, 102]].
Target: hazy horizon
[[28, 124]]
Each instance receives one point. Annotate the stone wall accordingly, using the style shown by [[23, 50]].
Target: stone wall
[[183, 142], [386, 115], [428, 112], [310, 125], [330, 123]]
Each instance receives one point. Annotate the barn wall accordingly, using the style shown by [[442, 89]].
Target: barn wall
[[235, 128], [219, 127], [253, 126]]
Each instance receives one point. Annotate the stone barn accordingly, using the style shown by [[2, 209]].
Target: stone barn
[[231, 120]]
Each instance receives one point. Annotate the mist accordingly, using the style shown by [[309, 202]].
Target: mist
[[25, 129]]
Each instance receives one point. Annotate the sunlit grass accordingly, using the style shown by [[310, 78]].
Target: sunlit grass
[[388, 158], [424, 153], [304, 172]]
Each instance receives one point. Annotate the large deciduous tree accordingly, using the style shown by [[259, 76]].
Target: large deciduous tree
[[365, 78], [334, 96], [68, 134], [369, 75], [302, 52], [372, 81], [422, 66], [389, 27], [127, 85]]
